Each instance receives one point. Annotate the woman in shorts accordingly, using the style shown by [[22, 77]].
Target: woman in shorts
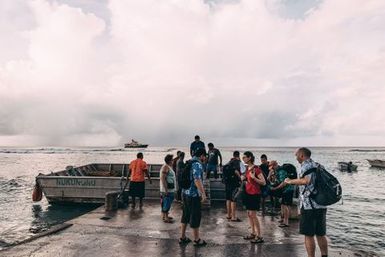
[[252, 196]]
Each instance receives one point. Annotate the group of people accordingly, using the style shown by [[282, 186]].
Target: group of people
[[243, 180]]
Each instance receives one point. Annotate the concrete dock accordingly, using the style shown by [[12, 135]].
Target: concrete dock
[[137, 232]]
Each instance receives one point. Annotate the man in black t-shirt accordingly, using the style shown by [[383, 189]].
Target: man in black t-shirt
[[197, 144], [212, 163], [232, 184], [264, 166]]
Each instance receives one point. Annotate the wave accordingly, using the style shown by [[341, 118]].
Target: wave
[[367, 150]]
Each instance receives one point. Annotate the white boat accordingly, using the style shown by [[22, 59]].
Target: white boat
[[90, 183], [377, 163], [347, 166]]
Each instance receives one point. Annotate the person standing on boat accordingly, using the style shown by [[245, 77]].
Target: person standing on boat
[[167, 187], [313, 215], [137, 170], [197, 144], [212, 163]]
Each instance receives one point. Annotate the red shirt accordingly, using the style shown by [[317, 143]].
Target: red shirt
[[252, 187], [138, 167]]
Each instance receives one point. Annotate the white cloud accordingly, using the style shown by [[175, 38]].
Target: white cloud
[[163, 71]]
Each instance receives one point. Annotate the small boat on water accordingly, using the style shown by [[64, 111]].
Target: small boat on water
[[347, 166], [377, 163], [90, 183], [135, 144]]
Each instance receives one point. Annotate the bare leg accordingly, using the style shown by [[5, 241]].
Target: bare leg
[[323, 244], [228, 208], [256, 224], [310, 246], [286, 213], [183, 230], [233, 209], [133, 202], [251, 222], [196, 233], [140, 202]]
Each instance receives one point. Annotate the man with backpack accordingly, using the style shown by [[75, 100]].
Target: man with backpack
[[313, 215], [232, 181], [193, 195]]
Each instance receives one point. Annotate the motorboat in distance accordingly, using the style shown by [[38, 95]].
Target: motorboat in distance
[[377, 163], [347, 166], [135, 144]]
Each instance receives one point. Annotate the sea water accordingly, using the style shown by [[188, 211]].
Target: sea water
[[356, 223]]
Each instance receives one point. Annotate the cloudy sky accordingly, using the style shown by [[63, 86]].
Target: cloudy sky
[[236, 72]]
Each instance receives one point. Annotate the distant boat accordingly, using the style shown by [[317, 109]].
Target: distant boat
[[134, 144], [347, 166], [377, 163]]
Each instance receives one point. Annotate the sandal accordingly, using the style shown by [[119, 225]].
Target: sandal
[[257, 240], [185, 240], [283, 225], [236, 220], [249, 237], [200, 242]]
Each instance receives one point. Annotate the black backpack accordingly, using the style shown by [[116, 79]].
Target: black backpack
[[228, 174], [186, 178], [327, 189], [291, 170]]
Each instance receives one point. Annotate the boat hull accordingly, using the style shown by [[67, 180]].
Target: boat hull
[[377, 163], [344, 166], [135, 146]]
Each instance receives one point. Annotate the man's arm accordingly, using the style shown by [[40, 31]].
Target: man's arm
[[220, 157], [148, 175], [163, 174], [299, 181], [199, 185]]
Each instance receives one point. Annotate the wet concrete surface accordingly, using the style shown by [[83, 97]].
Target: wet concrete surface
[[137, 232]]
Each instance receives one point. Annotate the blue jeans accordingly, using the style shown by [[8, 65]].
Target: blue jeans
[[166, 201], [210, 168]]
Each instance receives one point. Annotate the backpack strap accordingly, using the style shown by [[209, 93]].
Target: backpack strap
[[312, 170], [309, 171]]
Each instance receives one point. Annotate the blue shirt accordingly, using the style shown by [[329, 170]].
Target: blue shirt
[[304, 190], [197, 174]]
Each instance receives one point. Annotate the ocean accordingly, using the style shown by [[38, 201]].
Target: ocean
[[356, 223]]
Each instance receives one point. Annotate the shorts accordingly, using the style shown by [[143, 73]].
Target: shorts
[[252, 202], [191, 211], [313, 222], [137, 189], [166, 201], [287, 198], [231, 193]]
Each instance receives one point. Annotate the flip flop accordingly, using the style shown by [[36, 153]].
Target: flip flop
[[283, 225], [236, 220], [229, 218], [249, 237], [257, 240], [185, 240], [200, 242]]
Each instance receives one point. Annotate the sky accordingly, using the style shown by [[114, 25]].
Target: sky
[[235, 72]]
